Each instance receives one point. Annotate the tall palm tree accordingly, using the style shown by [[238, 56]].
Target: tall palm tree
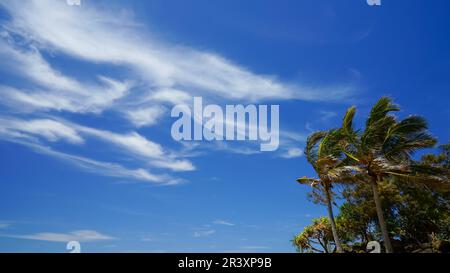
[[384, 148], [323, 153]]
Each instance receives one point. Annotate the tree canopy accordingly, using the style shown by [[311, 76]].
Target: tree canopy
[[384, 194]]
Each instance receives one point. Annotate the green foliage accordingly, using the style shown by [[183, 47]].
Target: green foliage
[[311, 146], [414, 195], [316, 237], [415, 216]]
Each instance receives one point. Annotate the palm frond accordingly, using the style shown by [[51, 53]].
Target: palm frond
[[311, 146], [347, 123], [331, 144], [345, 174], [431, 181], [402, 147], [409, 125], [380, 110], [308, 181]]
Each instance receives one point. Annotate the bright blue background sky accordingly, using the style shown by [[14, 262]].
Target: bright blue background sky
[[399, 49]]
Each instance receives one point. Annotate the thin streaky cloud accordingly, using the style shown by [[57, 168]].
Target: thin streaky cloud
[[158, 75], [157, 62], [84, 236], [223, 223], [49, 129], [52, 90], [147, 116], [254, 247], [57, 129], [204, 233], [104, 168], [4, 225], [292, 153]]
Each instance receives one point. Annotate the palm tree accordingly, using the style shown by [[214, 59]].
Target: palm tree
[[384, 148], [323, 153]]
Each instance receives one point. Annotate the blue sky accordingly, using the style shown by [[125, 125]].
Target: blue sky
[[86, 93]]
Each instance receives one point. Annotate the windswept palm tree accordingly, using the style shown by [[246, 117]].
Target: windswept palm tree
[[384, 148], [324, 154]]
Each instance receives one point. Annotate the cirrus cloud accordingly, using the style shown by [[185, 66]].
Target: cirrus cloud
[[78, 235], [154, 75]]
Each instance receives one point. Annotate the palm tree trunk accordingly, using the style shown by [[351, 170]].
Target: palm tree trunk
[[382, 222], [339, 248]]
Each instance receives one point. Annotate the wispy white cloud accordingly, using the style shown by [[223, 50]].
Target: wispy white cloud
[[78, 235], [132, 143], [148, 239], [102, 168], [158, 75], [169, 95], [51, 89], [254, 247], [140, 146], [46, 128], [204, 233], [327, 115], [4, 225], [103, 37], [292, 153], [289, 145], [223, 223], [321, 119], [145, 116], [108, 168]]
